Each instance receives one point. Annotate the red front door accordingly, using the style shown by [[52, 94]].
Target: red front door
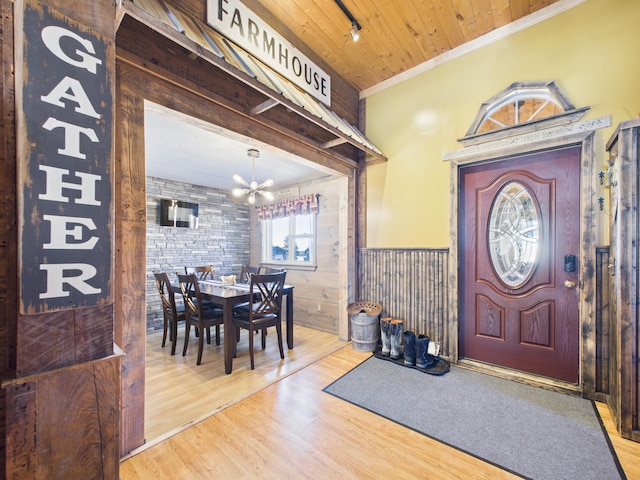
[[519, 245]]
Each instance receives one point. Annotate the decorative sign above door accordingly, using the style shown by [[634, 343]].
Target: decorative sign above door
[[240, 25]]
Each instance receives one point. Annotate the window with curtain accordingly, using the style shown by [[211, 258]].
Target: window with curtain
[[289, 231]]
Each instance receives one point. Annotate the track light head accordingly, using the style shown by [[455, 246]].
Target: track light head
[[355, 31]]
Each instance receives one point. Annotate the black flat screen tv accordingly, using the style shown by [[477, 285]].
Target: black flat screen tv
[[175, 213]]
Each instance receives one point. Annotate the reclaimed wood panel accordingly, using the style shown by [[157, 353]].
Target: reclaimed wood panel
[[64, 339], [60, 378], [8, 220], [171, 91], [588, 237], [624, 150], [64, 423], [412, 285], [603, 324], [130, 215]]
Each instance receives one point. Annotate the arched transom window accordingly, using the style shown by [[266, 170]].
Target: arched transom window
[[520, 103]]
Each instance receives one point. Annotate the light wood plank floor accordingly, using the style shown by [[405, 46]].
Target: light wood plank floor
[[291, 429], [179, 393]]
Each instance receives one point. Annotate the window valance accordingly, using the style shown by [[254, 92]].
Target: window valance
[[289, 207]]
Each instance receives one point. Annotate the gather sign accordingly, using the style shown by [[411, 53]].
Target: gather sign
[[65, 151]]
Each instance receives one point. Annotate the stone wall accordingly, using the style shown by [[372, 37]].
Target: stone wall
[[221, 239]]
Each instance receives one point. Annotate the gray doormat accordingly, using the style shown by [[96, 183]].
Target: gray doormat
[[531, 432]]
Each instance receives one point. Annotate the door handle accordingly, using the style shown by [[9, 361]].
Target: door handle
[[569, 284]]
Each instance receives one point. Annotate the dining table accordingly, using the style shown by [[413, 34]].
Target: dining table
[[228, 296]]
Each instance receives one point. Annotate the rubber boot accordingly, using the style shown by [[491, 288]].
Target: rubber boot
[[409, 348], [385, 325], [395, 334], [423, 359]]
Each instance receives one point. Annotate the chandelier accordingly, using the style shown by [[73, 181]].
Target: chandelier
[[254, 187]]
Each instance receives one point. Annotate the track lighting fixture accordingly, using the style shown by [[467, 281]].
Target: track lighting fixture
[[355, 26]]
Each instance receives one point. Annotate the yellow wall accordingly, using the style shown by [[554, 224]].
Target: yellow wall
[[591, 51]]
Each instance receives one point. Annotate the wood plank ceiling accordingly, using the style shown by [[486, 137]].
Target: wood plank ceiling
[[396, 35]]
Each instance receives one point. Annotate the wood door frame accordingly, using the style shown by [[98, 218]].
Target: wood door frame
[[527, 141], [135, 84], [623, 150]]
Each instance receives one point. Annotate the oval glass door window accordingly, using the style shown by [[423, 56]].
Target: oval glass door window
[[514, 234]]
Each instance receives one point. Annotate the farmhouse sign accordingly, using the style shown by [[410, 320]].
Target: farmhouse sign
[[65, 127], [240, 25]]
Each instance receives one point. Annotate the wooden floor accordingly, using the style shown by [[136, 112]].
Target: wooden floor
[[179, 393], [289, 428]]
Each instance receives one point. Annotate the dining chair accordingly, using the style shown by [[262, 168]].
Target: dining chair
[[266, 270], [245, 277], [197, 315], [171, 313], [246, 272], [265, 311], [204, 272]]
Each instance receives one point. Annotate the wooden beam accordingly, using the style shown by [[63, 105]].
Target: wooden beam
[[264, 106], [333, 143], [181, 84], [179, 38]]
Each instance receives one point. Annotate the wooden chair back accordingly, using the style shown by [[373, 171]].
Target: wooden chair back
[[266, 290], [197, 315], [170, 312], [246, 273], [204, 272], [191, 294], [164, 289], [265, 311], [267, 270]]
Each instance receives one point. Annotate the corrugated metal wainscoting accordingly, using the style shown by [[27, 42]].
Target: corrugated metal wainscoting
[[412, 285]]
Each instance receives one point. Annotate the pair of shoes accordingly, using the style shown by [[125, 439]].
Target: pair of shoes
[[416, 350], [391, 336]]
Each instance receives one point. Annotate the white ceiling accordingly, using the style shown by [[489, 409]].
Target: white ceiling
[[188, 150]]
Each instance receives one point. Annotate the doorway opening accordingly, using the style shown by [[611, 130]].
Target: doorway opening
[[198, 162]]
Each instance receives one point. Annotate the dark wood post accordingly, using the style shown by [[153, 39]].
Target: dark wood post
[[61, 370]]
